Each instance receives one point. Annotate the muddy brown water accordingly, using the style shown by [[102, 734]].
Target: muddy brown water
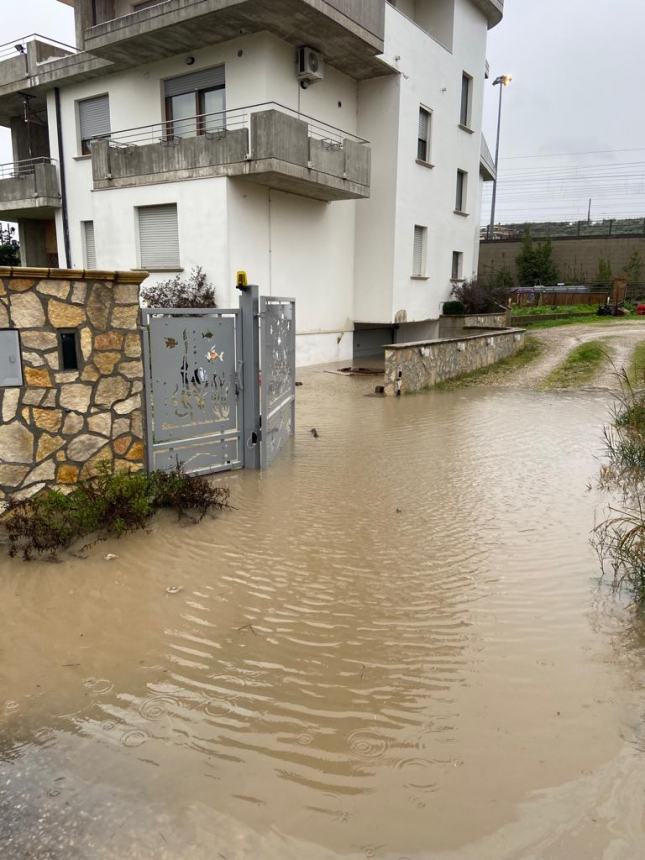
[[395, 647]]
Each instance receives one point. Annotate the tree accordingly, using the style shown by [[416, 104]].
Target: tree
[[634, 268], [193, 292], [535, 264], [604, 276], [502, 280], [9, 247]]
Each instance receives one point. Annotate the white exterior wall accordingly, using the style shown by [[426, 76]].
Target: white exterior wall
[[343, 261], [430, 76], [289, 245]]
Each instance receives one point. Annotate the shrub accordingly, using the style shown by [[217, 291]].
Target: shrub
[[454, 309], [480, 297], [9, 247], [108, 504], [194, 292]]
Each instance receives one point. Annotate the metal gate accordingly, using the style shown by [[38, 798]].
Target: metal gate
[[220, 384], [278, 368], [194, 412]]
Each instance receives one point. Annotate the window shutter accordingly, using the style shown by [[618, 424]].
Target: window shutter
[[159, 237], [90, 245], [94, 117], [465, 99], [419, 253], [424, 121], [207, 79]]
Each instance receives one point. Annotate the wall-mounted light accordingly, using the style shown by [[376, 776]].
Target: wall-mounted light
[[189, 61], [20, 48]]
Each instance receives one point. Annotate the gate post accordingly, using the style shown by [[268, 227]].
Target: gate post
[[251, 429]]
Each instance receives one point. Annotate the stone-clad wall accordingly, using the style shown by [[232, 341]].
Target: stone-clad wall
[[60, 425], [411, 367]]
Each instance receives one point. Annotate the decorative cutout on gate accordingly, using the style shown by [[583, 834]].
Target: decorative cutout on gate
[[201, 395]]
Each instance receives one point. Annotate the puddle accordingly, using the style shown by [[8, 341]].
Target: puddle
[[393, 648]]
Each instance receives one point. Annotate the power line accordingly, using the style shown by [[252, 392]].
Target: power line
[[567, 154]]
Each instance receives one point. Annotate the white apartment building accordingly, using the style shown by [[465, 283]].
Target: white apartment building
[[332, 149]]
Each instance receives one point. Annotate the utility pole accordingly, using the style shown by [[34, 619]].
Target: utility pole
[[589, 212], [501, 82]]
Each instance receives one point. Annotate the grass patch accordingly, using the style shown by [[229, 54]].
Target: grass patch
[[109, 504], [636, 370], [592, 319], [580, 365], [531, 350], [528, 311]]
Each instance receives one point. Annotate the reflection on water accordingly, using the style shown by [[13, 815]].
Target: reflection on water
[[391, 649]]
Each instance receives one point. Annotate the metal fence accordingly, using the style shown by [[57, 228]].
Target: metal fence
[[611, 227]]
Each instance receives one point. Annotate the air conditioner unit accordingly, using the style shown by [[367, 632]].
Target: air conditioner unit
[[310, 65]]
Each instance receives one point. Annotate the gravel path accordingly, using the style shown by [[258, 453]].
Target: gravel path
[[621, 337]]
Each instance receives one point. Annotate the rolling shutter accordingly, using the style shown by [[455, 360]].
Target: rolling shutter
[[207, 79], [90, 245], [159, 237], [94, 117], [419, 253], [424, 123]]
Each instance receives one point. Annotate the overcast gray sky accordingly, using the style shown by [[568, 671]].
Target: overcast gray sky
[[577, 68]]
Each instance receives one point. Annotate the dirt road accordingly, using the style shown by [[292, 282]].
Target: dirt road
[[620, 337]]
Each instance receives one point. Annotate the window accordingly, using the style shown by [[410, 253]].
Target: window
[[420, 252], [89, 244], [145, 4], [423, 143], [466, 99], [462, 189], [93, 120], [196, 103], [457, 265], [158, 237], [68, 349]]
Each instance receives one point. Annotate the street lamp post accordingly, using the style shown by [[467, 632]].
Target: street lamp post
[[501, 82]]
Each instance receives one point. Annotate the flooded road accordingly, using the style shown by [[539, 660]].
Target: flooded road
[[394, 647]]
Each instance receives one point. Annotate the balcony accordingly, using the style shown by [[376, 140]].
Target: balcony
[[29, 190], [267, 144], [28, 63], [493, 9], [487, 169], [349, 32]]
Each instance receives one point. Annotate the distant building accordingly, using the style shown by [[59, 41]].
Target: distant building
[[182, 133]]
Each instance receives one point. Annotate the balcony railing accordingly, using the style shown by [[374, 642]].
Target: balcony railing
[[221, 122], [259, 141], [27, 167], [43, 44]]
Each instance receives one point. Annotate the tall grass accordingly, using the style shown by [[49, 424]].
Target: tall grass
[[620, 539]]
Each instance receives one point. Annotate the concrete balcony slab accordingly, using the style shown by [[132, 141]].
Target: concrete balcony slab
[[348, 32], [267, 146]]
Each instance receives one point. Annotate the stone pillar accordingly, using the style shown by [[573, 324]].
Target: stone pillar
[[62, 423]]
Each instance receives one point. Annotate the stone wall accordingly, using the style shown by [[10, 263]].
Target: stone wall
[[575, 259], [452, 326], [411, 367], [61, 424]]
